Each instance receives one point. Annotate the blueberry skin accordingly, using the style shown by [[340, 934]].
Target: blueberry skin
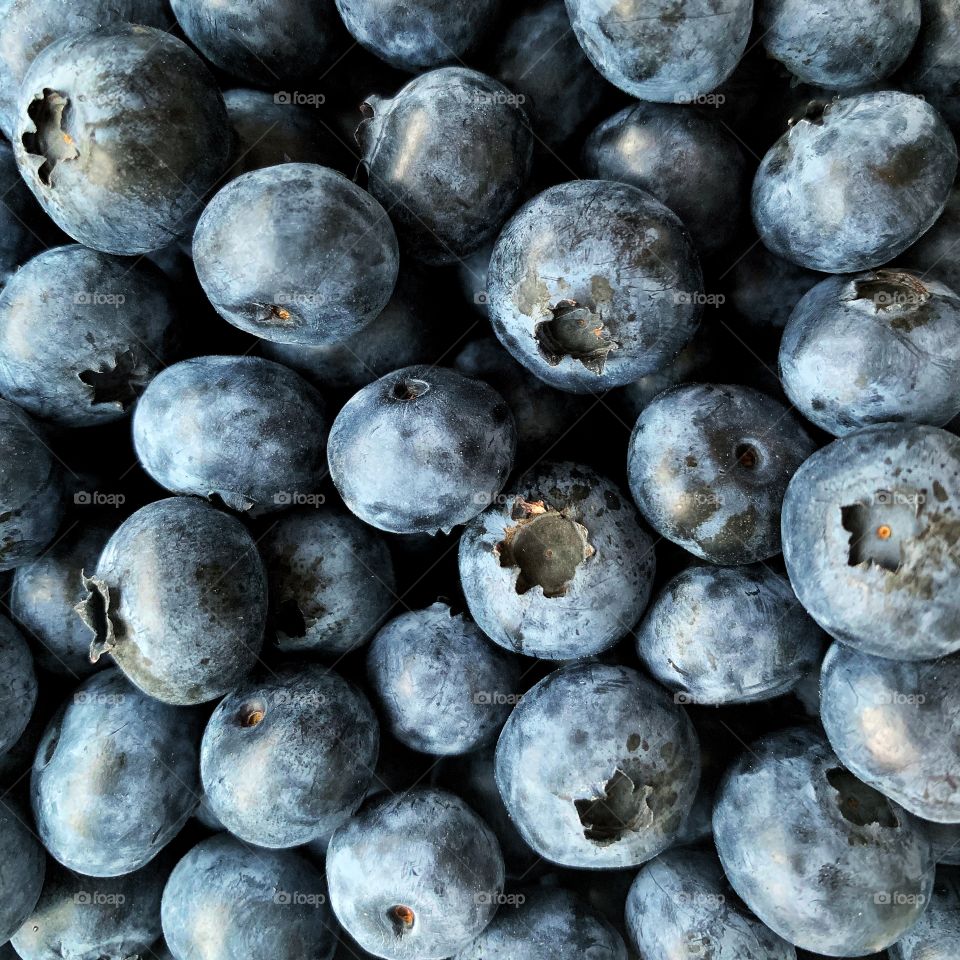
[[872, 516], [20, 218], [417, 36], [824, 191], [31, 489], [598, 767], [933, 68], [420, 450], [415, 876], [263, 42], [288, 755], [936, 934], [822, 859], [115, 777], [82, 333], [25, 863], [79, 918], [448, 155], [708, 466], [331, 581], [225, 900], [839, 44], [442, 688], [665, 52], [547, 925], [880, 347], [18, 684], [179, 600], [148, 136], [577, 602], [896, 725], [296, 253], [594, 284], [246, 430], [684, 158], [719, 635], [679, 903]]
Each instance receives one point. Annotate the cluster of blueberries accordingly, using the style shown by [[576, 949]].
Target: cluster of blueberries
[[479, 481]]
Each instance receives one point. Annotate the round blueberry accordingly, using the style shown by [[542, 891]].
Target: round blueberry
[[18, 685], [24, 859]]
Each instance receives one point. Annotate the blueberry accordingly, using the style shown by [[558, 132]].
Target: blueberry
[[680, 901], [242, 429], [839, 44], [560, 568], [872, 516], [448, 155], [663, 51], [18, 684], [31, 489], [422, 449], [728, 635], [24, 865], [896, 726], [441, 687], [225, 899], [21, 219], [82, 333], [824, 860], [296, 253], [936, 934], [331, 581], [708, 465], [598, 767], [684, 158], [288, 755], [547, 924], [179, 600], [824, 191], [415, 876], [933, 68], [115, 777], [594, 284], [119, 134], [932, 255]]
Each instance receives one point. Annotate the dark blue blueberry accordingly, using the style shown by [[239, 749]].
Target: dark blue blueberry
[[933, 68], [119, 134], [179, 601], [296, 253], [21, 219], [869, 538], [415, 876], [598, 767], [422, 449], [115, 777], [448, 155], [708, 466], [594, 284], [24, 862], [825, 191], [821, 858], [82, 333], [242, 429], [226, 900], [18, 685], [936, 934], [559, 568]]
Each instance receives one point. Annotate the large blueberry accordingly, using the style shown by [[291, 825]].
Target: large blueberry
[[226, 900], [825, 192], [598, 767], [18, 684], [684, 158], [821, 858], [708, 466], [415, 876], [873, 516], [668, 50], [936, 934], [296, 253], [82, 333], [593, 284], [559, 568], [422, 449], [728, 635], [242, 429], [115, 777], [21, 219], [179, 600], [441, 686], [120, 133], [448, 155], [933, 68], [24, 864]]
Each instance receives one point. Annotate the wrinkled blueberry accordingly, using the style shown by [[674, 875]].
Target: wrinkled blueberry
[[18, 685], [24, 862]]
